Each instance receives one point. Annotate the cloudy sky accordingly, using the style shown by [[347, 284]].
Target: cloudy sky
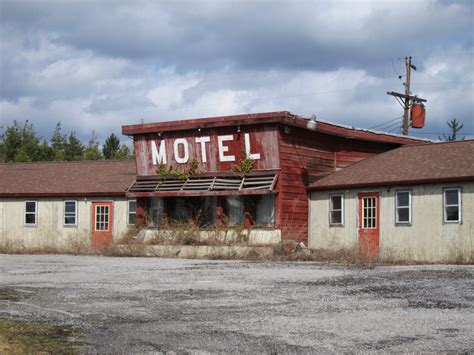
[[101, 64]]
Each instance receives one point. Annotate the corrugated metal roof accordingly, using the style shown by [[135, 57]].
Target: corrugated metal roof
[[79, 178], [413, 164]]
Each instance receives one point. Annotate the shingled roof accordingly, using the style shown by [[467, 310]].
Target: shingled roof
[[407, 165], [79, 178]]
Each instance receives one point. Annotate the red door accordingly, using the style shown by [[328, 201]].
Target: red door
[[102, 222], [369, 223]]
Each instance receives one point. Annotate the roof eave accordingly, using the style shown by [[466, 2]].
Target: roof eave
[[210, 122], [60, 194], [282, 117], [392, 183]]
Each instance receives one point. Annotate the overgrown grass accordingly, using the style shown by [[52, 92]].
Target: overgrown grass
[[31, 338], [188, 234]]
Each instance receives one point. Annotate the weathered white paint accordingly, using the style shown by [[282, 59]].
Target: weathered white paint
[[159, 154], [427, 239], [181, 159], [223, 148], [202, 141], [252, 156], [50, 231]]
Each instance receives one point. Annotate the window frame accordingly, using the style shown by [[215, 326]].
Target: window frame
[[410, 208], [130, 212], [458, 205], [76, 214], [331, 223], [109, 209], [35, 213]]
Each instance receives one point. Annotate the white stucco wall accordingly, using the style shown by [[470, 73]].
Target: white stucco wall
[[50, 231], [426, 239]]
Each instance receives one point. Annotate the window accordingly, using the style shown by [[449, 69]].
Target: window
[[369, 205], [101, 218], [265, 210], [31, 209], [70, 213], [452, 205], [132, 212], [403, 207], [336, 210], [209, 211]]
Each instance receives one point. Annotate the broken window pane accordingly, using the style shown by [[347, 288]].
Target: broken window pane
[[234, 210], [265, 211]]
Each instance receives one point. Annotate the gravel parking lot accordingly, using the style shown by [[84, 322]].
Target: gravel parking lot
[[137, 305]]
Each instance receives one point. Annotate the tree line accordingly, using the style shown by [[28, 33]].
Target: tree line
[[20, 143]]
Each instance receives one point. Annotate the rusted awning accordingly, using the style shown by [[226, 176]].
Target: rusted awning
[[256, 183]]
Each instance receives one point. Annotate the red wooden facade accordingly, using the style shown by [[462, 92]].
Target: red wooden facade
[[279, 142]]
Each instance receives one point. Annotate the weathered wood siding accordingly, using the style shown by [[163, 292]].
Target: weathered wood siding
[[304, 156], [263, 140]]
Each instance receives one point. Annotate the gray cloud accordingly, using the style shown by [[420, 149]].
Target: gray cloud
[[202, 35], [102, 64]]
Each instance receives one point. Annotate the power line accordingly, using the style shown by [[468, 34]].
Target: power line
[[384, 123], [464, 133], [395, 124]]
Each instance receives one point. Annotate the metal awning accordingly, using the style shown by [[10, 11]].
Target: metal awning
[[262, 182]]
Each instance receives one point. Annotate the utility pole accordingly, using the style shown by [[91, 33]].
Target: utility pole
[[407, 95], [408, 99]]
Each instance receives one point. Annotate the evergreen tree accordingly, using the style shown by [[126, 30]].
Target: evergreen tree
[[111, 147], [58, 143], [124, 153], [74, 149], [92, 151], [45, 152], [455, 127], [2, 148], [20, 143]]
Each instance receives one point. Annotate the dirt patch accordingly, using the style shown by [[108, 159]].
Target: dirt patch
[[436, 304], [386, 344], [9, 294], [30, 338], [14, 295]]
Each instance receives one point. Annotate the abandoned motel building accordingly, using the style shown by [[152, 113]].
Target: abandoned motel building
[[274, 176]]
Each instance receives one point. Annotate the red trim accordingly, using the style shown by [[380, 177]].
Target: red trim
[[391, 183], [102, 238], [369, 238]]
